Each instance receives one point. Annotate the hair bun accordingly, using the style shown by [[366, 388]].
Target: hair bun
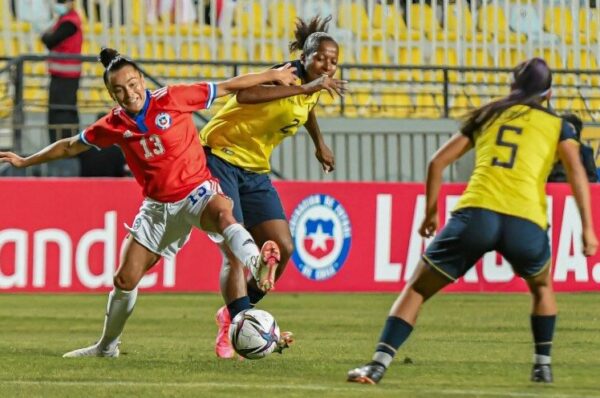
[[107, 55]]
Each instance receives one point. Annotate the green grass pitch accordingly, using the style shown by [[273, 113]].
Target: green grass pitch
[[476, 345]]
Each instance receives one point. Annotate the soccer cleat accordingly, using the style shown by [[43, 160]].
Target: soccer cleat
[[370, 373], [541, 373], [264, 269], [93, 351], [285, 341], [223, 346]]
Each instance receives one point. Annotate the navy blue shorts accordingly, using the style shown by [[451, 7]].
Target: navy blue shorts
[[255, 200], [472, 232]]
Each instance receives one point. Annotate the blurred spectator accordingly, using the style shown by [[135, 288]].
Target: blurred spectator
[[37, 12], [65, 37], [175, 11], [558, 173], [97, 10], [106, 162]]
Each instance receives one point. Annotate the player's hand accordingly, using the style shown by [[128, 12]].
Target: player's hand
[[333, 86], [590, 242], [12, 158], [285, 75], [429, 225], [326, 158]]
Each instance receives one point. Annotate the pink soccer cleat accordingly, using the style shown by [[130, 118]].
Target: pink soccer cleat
[[267, 264], [223, 346]]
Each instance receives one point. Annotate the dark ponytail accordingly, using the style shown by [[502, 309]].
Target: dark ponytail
[[532, 80], [113, 61], [309, 36]]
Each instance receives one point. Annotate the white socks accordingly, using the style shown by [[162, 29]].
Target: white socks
[[240, 242], [120, 306]]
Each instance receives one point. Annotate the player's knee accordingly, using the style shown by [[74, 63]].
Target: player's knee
[[125, 282]]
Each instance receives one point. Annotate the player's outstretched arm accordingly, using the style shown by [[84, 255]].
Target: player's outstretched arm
[[568, 152], [451, 151], [65, 148], [284, 75], [322, 152], [266, 93]]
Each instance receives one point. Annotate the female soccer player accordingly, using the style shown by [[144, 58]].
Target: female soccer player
[[239, 140], [158, 137], [503, 208]]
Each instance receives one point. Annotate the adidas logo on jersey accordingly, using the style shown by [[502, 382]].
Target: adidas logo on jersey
[[127, 134]]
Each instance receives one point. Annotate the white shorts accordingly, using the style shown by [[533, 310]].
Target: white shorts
[[164, 228]]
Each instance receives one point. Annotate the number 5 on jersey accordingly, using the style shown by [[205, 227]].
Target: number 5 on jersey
[[501, 141]]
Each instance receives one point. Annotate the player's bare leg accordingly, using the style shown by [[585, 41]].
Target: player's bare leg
[[424, 283], [135, 262], [543, 321]]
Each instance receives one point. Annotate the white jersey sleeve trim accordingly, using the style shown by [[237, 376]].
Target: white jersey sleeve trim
[[212, 92], [85, 141]]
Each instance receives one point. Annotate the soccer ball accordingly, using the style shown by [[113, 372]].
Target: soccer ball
[[254, 333]]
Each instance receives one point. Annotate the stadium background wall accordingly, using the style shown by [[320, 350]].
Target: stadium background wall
[[350, 237]]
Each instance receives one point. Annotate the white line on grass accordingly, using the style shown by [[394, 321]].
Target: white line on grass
[[299, 387]]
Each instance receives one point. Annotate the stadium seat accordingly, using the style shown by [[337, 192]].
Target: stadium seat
[[357, 103], [460, 21], [396, 102], [268, 52], [329, 106], [444, 57], [588, 24], [559, 20], [584, 60], [423, 18], [428, 104], [354, 17], [477, 58], [375, 55], [391, 22], [409, 56], [282, 16], [492, 19], [249, 20]]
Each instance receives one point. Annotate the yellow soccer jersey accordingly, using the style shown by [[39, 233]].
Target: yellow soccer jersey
[[245, 134], [513, 157]]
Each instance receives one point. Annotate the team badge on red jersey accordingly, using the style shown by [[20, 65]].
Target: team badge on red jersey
[[322, 235], [163, 121]]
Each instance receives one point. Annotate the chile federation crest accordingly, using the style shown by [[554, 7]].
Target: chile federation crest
[[322, 235]]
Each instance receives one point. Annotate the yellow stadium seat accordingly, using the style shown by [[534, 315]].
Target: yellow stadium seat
[[354, 17], [511, 57], [268, 52], [328, 105], [444, 57], [427, 107], [409, 56], [477, 58], [249, 20], [583, 60], [396, 103], [282, 17], [492, 19], [375, 55], [588, 24], [559, 20], [460, 20], [423, 17], [391, 22], [358, 102]]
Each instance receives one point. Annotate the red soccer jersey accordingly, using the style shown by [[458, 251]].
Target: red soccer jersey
[[161, 143]]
